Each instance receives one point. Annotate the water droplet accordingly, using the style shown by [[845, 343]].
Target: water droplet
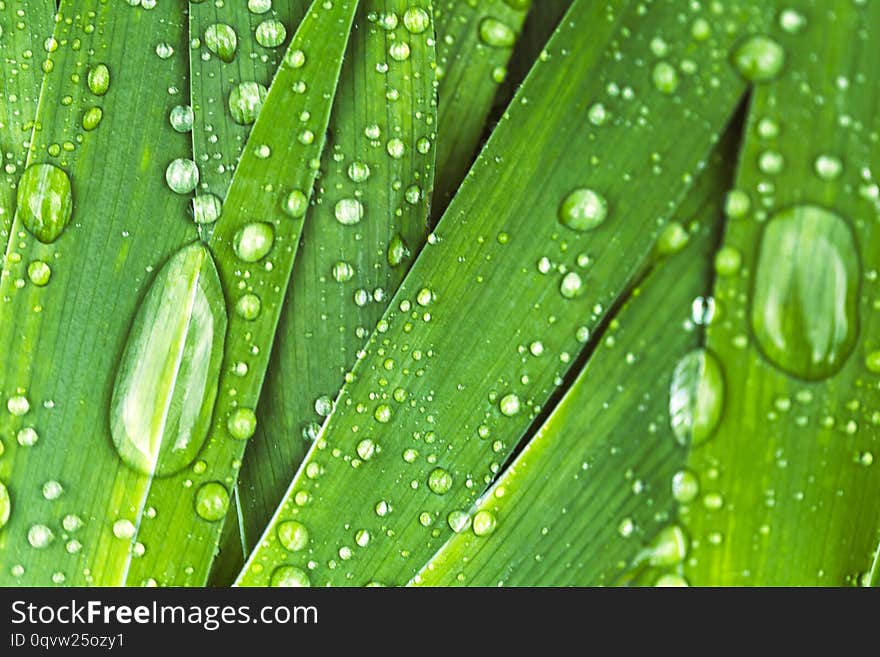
[[727, 261], [572, 285], [18, 405], [665, 77], [248, 306], [91, 118], [206, 208], [792, 21], [759, 58], [366, 449], [497, 34], [668, 548], [439, 481], [71, 522], [212, 501], [805, 305], [253, 241], [383, 413], [358, 171], [221, 40], [289, 576], [828, 167], [583, 209], [164, 50], [182, 175], [271, 33], [181, 118], [52, 490], [242, 423], [123, 528], [27, 437], [399, 51], [323, 406], [597, 114], [872, 362], [98, 79], [484, 523], [396, 148], [39, 273], [5, 505], [696, 397], [416, 20], [295, 204], [685, 486], [458, 521], [670, 580], [509, 405], [398, 251], [166, 384], [40, 536], [293, 535], [245, 102], [349, 211], [737, 204], [45, 202]]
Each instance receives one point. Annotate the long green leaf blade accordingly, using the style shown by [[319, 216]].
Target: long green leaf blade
[[373, 509], [591, 488], [787, 490], [255, 243], [380, 163], [69, 302], [25, 26], [474, 44]]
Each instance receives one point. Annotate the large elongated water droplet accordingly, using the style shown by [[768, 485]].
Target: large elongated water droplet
[[805, 304], [167, 380], [696, 397], [5, 505], [45, 202]]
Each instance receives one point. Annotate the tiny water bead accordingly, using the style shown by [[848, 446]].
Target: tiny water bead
[[167, 380], [52, 490], [696, 397], [45, 201], [242, 423], [5, 505], [248, 307], [828, 167], [737, 204], [18, 405], [289, 576], [685, 486], [358, 171], [270, 33], [253, 241], [164, 50], [182, 176], [293, 535], [348, 211], [398, 251], [665, 77], [583, 209], [439, 481], [295, 204], [206, 208], [342, 272], [181, 118], [222, 40], [395, 148], [572, 285], [39, 273], [91, 118], [98, 79], [416, 20], [40, 536], [496, 33], [804, 312], [759, 58], [245, 102], [509, 405], [484, 523], [212, 501], [124, 529]]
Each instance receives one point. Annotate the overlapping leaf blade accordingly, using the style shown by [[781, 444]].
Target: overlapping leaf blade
[[590, 490], [787, 487], [446, 381]]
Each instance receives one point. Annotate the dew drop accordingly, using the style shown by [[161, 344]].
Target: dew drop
[[439, 481], [5, 505], [212, 501], [295, 204], [52, 490], [509, 405], [123, 528], [805, 304], [206, 208], [253, 241], [39, 273], [242, 423], [398, 251], [759, 58], [181, 118], [91, 118], [668, 548], [45, 202], [270, 33], [696, 397], [496, 33], [18, 405], [221, 40], [416, 20], [348, 211], [484, 523], [583, 210], [572, 285], [685, 486], [458, 521], [27, 437], [40, 536], [182, 175], [248, 307], [289, 576], [98, 79], [246, 101], [293, 535]]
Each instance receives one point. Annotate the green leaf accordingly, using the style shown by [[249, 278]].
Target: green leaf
[[787, 486], [78, 294], [24, 28], [446, 387], [70, 302], [230, 46], [379, 162], [592, 487], [475, 41]]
